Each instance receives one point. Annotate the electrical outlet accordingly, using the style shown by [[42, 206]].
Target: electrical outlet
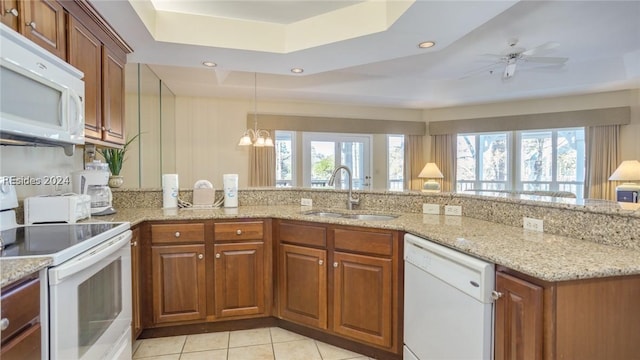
[[433, 209], [454, 210], [532, 224], [306, 202]]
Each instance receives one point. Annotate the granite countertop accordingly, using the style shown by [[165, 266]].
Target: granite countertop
[[15, 269], [545, 256]]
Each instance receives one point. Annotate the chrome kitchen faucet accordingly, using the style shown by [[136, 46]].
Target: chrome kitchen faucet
[[351, 200]]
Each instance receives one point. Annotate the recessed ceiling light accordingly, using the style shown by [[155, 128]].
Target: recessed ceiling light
[[297, 70], [426, 44], [209, 64]]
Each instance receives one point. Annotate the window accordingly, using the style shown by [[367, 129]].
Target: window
[[285, 158], [395, 162], [323, 152], [547, 160]]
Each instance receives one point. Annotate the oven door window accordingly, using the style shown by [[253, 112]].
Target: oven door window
[[26, 99], [99, 304]]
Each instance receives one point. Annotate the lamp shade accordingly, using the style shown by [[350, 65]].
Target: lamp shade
[[430, 171], [629, 170]]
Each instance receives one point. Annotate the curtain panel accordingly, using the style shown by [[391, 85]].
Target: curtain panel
[[444, 154], [413, 161], [262, 165], [603, 157]]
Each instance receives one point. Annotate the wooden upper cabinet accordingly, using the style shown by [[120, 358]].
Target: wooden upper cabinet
[[303, 285], [518, 322], [43, 22], [9, 13], [362, 298], [85, 53], [113, 127]]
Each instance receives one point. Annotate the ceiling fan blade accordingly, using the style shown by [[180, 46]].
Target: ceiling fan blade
[[485, 69], [546, 59], [541, 49], [509, 70]]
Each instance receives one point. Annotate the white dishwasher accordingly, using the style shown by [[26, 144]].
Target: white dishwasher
[[448, 305]]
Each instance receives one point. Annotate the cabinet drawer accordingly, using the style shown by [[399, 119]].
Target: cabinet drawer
[[230, 231], [177, 233], [21, 307], [364, 241], [303, 234], [24, 346]]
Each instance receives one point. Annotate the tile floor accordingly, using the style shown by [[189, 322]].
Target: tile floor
[[256, 344]]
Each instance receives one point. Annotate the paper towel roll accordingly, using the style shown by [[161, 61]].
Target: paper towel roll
[[230, 187], [169, 191]]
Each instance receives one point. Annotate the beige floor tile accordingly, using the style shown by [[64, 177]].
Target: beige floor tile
[[160, 346], [209, 341], [330, 352], [296, 350], [249, 337], [220, 354], [256, 352], [282, 335], [135, 346], [162, 357]]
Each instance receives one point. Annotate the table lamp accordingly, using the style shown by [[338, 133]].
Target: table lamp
[[628, 171], [430, 172]]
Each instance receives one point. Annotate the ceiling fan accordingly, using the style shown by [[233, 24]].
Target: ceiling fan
[[514, 55]]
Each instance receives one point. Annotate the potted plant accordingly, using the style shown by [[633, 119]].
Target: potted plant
[[115, 157]]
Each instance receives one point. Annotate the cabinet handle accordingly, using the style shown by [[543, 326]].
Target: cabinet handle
[[104, 128], [238, 232], [177, 234], [495, 295], [200, 256], [218, 256], [134, 243], [320, 262], [335, 264], [32, 25], [13, 12], [4, 324]]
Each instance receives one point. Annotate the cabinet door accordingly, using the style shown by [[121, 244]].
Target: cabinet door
[[9, 13], [85, 53], [136, 324], [178, 283], [518, 322], [43, 22], [362, 298], [239, 279], [113, 97], [302, 285]]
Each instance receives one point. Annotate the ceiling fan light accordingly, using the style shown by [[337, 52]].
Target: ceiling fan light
[[509, 70]]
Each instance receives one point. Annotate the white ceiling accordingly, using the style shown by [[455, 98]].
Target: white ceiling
[[386, 68]]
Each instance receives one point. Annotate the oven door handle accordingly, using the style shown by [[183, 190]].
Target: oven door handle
[[94, 255]]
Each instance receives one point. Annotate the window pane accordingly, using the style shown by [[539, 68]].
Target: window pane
[[323, 160], [494, 157], [570, 155], [351, 156], [466, 169], [536, 156], [395, 165], [284, 159]]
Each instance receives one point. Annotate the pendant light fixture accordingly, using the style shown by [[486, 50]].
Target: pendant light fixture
[[256, 137]]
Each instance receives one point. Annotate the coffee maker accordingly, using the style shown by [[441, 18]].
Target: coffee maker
[[93, 181]]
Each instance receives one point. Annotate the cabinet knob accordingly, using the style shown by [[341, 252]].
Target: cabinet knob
[[13, 12], [177, 234], [238, 232], [200, 256], [495, 295], [32, 25], [4, 324], [335, 264], [320, 262], [104, 128], [134, 243]]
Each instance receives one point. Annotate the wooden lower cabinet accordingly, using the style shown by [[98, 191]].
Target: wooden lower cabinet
[[178, 283], [21, 333], [239, 279], [302, 279]]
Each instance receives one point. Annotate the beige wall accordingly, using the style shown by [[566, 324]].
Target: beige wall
[[630, 146], [208, 130]]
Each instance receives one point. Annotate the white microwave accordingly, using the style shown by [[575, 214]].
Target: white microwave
[[41, 96]]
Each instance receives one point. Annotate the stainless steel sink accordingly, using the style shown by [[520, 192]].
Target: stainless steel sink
[[366, 217]]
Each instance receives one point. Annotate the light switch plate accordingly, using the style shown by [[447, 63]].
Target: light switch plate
[[306, 202], [453, 210], [532, 224], [433, 209]]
